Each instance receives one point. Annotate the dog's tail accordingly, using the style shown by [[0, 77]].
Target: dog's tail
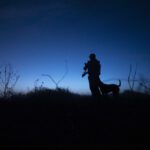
[[119, 83]]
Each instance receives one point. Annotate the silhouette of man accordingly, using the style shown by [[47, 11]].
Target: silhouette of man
[[93, 69]]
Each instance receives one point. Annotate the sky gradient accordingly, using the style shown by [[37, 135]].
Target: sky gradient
[[52, 37]]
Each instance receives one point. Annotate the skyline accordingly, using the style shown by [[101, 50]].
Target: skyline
[[42, 37]]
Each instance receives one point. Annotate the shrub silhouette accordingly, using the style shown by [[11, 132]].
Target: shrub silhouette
[[8, 80]]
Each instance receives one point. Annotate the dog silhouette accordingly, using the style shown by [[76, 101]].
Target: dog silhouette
[[109, 88]]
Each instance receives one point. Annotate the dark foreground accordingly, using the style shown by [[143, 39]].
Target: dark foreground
[[61, 120]]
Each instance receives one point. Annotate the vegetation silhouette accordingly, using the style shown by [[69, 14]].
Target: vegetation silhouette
[[8, 80], [59, 119], [61, 79]]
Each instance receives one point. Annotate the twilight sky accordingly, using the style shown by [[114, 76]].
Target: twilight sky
[[55, 36]]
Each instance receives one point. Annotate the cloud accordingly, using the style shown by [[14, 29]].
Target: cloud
[[19, 11]]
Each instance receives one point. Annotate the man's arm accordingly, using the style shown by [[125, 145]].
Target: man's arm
[[85, 66], [85, 70]]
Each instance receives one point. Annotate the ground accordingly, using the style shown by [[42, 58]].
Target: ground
[[60, 120]]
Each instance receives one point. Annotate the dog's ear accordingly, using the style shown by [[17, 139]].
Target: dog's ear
[[119, 83]]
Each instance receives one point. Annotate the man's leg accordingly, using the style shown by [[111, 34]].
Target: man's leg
[[94, 87]]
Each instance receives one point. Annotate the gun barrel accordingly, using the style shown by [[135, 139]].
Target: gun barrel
[[84, 74]]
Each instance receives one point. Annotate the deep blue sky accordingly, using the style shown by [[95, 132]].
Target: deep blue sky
[[41, 36]]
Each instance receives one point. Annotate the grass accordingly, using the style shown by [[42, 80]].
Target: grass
[[59, 119]]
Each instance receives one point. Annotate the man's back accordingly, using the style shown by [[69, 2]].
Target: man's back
[[93, 67]]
